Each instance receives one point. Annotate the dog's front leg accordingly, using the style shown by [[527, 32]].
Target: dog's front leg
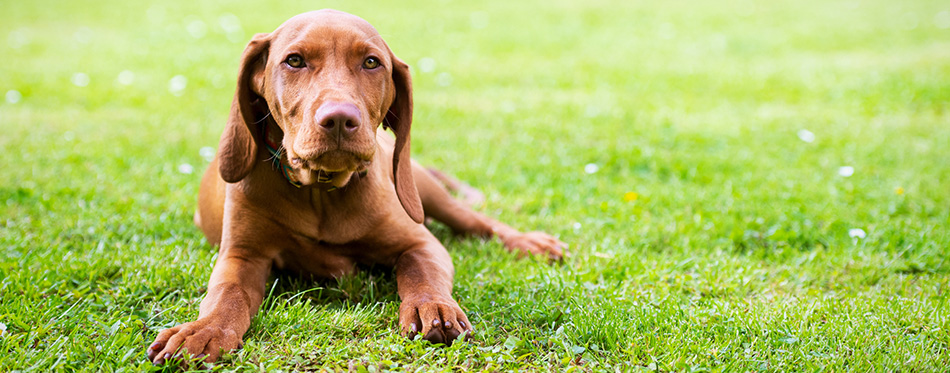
[[424, 277], [235, 292]]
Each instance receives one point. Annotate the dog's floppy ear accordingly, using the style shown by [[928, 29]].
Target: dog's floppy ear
[[238, 146], [399, 119]]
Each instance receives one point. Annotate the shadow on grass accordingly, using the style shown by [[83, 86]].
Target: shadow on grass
[[369, 285]]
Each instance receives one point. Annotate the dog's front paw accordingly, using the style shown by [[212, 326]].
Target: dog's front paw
[[438, 320], [536, 243], [199, 340]]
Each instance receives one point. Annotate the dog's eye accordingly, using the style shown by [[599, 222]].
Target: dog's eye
[[370, 63], [294, 60]]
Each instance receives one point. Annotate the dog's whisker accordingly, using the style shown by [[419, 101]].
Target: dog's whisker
[[276, 156], [372, 37], [395, 116], [259, 121]]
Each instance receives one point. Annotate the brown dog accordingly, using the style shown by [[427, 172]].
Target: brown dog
[[304, 181]]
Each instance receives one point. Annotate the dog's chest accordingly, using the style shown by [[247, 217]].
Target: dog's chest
[[326, 233], [337, 218], [329, 248]]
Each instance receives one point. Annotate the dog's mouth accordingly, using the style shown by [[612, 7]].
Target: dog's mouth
[[334, 179], [334, 169]]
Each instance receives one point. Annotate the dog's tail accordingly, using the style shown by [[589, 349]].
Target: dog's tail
[[469, 195]]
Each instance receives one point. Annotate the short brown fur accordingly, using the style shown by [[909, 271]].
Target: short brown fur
[[363, 198]]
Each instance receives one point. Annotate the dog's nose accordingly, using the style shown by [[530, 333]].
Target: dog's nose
[[338, 118]]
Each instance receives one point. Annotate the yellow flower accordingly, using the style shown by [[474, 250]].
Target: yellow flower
[[630, 196], [899, 191]]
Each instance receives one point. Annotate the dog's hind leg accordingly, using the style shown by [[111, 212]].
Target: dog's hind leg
[[438, 204], [471, 196]]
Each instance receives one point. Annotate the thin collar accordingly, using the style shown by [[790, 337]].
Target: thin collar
[[272, 138]]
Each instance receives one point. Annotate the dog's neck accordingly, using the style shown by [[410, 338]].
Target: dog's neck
[[272, 136]]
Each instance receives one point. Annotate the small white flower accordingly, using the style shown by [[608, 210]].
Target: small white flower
[[591, 111], [846, 171], [155, 14], [207, 153], [177, 85], [443, 79], [478, 19], [508, 107], [667, 31], [426, 65], [591, 168], [231, 26], [577, 226], [80, 79], [18, 38], [125, 77], [857, 233], [942, 19], [229, 22], [83, 35], [14, 96], [806, 135], [909, 21], [3, 328], [186, 169], [196, 28]]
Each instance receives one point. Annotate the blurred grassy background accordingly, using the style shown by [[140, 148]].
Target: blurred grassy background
[[666, 141]]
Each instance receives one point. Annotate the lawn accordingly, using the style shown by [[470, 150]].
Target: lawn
[[744, 185]]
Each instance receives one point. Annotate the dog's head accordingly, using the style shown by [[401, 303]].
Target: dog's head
[[328, 80]]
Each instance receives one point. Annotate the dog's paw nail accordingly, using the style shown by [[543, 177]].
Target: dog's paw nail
[[448, 324], [412, 327], [167, 356], [462, 323], [435, 323], [199, 357]]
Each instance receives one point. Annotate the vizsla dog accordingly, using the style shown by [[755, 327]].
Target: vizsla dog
[[304, 181]]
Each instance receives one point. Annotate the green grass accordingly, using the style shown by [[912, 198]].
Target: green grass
[[735, 254]]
